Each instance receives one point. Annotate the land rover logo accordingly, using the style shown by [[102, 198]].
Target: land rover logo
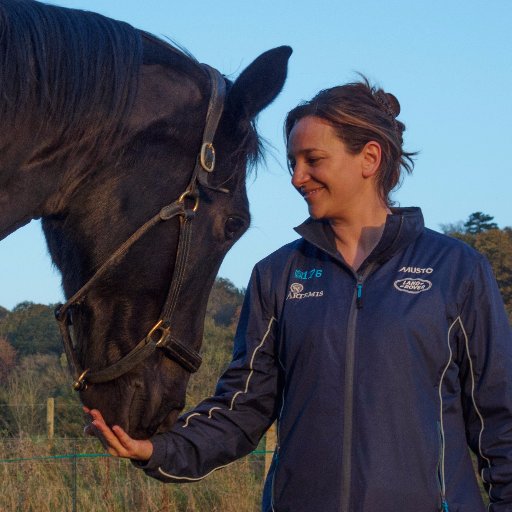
[[296, 287], [413, 285]]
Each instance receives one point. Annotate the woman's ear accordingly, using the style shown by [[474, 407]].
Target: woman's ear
[[371, 157]]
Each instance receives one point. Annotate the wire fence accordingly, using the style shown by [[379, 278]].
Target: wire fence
[[44, 475], [56, 473]]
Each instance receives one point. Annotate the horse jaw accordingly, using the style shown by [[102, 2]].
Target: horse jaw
[[144, 402]]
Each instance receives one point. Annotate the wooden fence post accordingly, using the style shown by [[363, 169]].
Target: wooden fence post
[[270, 446], [50, 417]]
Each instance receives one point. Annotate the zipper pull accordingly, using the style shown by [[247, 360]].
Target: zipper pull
[[359, 296]]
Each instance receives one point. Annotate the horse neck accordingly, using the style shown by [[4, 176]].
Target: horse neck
[[39, 170]]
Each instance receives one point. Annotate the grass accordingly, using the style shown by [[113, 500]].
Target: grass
[[99, 484]]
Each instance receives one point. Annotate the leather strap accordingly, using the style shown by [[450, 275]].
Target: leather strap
[[188, 358]]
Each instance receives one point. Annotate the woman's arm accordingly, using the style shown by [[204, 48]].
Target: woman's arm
[[486, 339]]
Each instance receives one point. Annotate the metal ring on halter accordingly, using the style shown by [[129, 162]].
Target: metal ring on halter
[[207, 157], [190, 195], [80, 384], [164, 332]]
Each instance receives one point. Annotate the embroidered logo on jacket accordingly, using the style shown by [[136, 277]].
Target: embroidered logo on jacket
[[417, 270], [296, 292], [308, 274], [413, 285]]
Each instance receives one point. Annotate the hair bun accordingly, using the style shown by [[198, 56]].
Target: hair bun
[[393, 103], [387, 102]]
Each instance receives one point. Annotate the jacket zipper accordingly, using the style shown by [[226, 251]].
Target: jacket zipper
[[348, 410], [359, 295], [440, 469]]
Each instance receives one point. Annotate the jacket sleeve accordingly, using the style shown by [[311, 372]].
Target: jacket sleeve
[[230, 424], [486, 337]]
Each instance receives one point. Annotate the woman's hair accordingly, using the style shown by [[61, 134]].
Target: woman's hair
[[359, 113]]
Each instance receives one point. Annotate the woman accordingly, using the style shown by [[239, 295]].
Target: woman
[[381, 347]]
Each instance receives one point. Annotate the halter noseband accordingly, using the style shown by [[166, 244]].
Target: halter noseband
[[185, 207]]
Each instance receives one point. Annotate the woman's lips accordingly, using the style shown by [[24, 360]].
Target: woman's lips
[[309, 193]]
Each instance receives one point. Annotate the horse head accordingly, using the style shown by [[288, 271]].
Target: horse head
[[141, 194]]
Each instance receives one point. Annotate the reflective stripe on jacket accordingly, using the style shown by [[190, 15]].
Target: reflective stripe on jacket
[[379, 379]]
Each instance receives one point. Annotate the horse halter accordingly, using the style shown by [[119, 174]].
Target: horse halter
[[160, 335]]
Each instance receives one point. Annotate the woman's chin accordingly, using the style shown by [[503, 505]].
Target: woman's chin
[[315, 213]]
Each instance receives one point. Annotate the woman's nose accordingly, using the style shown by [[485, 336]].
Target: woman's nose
[[299, 176]]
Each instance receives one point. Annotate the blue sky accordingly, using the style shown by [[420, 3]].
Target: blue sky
[[448, 63]]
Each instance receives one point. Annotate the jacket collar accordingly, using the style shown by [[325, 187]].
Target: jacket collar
[[402, 227]]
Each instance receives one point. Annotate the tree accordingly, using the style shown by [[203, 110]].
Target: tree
[[7, 358], [453, 227], [31, 328], [496, 244], [479, 222], [225, 302], [3, 312]]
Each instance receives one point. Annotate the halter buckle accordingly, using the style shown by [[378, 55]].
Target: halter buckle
[[163, 329], [80, 384], [207, 157]]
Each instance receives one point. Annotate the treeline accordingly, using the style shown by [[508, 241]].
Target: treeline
[[31, 328], [34, 368], [481, 232]]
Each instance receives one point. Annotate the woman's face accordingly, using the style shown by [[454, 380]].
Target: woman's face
[[330, 179]]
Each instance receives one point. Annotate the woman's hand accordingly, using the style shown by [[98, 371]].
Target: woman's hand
[[115, 440]]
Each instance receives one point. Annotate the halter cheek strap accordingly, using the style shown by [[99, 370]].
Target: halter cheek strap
[[160, 336]]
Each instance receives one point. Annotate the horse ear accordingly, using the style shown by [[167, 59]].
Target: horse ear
[[260, 83]]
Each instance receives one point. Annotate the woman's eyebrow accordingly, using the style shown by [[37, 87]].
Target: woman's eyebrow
[[302, 152]]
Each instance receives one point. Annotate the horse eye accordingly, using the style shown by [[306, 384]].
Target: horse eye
[[232, 226]]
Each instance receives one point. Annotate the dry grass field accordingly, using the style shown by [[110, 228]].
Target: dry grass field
[[45, 477]]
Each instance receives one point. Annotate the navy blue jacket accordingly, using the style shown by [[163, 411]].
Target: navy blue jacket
[[379, 379]]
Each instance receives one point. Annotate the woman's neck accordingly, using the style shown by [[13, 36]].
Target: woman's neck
[[358, 233]]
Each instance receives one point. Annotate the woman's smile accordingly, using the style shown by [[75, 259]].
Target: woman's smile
[[309, 193]]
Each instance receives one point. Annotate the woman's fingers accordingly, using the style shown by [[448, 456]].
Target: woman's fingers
[[125, 440], [115, 440], [140, 449], [102, 431]]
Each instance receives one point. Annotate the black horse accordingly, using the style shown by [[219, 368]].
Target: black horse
[[106, 129]]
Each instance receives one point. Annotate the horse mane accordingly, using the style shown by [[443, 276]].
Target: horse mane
[[72, 72]]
